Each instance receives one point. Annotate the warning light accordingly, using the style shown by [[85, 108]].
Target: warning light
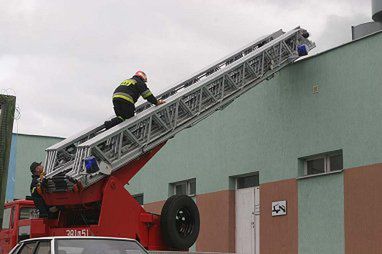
[[302, 50], [91, 165]]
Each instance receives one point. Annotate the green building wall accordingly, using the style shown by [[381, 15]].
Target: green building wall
[[321, 215], [271, 126], [281, 120]]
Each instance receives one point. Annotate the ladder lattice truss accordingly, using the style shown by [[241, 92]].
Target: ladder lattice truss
[[186, 104]]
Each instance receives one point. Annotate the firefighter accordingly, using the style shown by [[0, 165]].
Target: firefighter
[[37, 171], [126, 95]]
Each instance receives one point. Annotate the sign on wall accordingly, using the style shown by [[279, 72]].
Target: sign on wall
[[279, 208]]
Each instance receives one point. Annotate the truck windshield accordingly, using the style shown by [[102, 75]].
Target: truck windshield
[[98, 246], [27, 213]]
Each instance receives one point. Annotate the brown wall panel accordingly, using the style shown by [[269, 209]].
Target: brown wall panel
[[217, 221], [363, 206], [279, 234], [154, 207]]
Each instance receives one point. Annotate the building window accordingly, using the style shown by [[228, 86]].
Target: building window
[[187, 187], [323, 163], [247, 181], [139, 198]]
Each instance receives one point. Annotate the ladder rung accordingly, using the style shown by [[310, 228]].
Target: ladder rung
[[186, 104]]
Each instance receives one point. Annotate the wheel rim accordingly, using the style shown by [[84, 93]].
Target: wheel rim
[[184, 222]]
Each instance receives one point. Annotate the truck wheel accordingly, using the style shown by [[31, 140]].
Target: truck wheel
[[180, 222]]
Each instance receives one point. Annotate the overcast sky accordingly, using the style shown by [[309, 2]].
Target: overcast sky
[[63, 59]]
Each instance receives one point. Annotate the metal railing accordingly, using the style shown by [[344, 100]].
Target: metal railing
[[188, 103], [60, 156]]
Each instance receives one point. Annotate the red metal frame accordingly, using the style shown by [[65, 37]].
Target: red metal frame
[[95, 192], [118, 213], [9, 237]]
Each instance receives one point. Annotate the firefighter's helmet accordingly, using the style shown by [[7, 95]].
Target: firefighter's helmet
[[142, 75]]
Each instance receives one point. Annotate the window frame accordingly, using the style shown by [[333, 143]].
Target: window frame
[[16, 249], [10, 218], [237, 178], [318, 157], [33, 209], [43, 241], [188, 187], [27, 243], [327, 166]]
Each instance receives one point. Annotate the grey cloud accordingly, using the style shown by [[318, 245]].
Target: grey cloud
[[337, 31], [64, 58]]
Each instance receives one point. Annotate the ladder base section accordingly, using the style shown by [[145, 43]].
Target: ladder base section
[[117, 214], [94, 192]]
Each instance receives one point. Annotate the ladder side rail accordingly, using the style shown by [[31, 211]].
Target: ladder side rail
[[214, 67], [136, 153], [63, 167], [289, 34], [54, 163], [142, 115], [75, 138], [269, 55], [204, 114], [111, 131], [57, 154]]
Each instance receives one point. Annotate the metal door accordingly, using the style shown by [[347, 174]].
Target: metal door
[[7, 231], [247, 221]]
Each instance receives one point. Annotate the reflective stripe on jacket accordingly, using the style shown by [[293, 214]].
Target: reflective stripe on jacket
[[130, 90]]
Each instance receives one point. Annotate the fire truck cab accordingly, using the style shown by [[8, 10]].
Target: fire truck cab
[[16, 223]]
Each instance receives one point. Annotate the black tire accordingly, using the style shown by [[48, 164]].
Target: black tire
[[180, 222]]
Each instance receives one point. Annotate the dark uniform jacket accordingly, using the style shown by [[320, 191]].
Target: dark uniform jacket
[[37, 198], [35, 182], [130, 90]]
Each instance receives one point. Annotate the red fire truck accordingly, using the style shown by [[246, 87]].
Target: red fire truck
[[105, 209], [86, 173]]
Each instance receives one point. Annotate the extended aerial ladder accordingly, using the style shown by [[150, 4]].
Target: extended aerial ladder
[[189, 102], [86, 173]]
